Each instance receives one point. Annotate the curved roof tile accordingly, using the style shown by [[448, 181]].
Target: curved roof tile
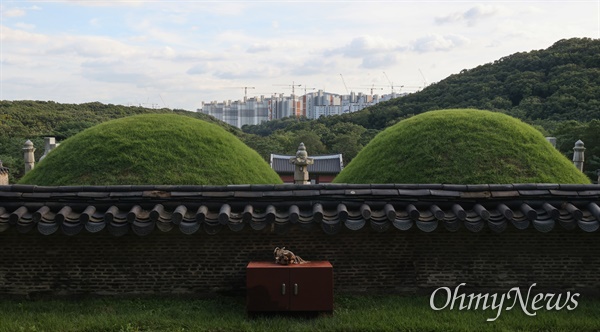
[[334, 207]]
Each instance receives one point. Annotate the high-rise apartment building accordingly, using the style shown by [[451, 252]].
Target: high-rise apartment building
[[253, 111]]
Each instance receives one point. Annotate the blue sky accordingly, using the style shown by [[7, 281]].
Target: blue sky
[[179, 53]]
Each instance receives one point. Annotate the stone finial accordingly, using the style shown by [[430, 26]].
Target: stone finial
[[578, 155], [301, 161], [3, 175], [50, 144], [28, 155], [552, 140]]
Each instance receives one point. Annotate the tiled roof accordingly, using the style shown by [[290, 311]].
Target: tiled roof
[[329, 164], [333, 207]]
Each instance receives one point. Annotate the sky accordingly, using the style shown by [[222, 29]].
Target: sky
[[178, 54]]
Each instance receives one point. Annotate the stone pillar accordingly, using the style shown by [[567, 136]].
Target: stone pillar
[[578, 157], [28, 151], [50, 144], [552, 140], [301, 162], [3, 175]]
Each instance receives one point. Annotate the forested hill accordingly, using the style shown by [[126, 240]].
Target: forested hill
[[31, 119], [558, 83], [556, 89]]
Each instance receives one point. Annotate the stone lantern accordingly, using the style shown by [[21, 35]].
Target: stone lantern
[[578, 157], [3, 175], [301, 161], [28, 155]]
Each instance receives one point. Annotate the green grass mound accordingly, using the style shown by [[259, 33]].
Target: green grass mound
[[152, 149], [461, 147]]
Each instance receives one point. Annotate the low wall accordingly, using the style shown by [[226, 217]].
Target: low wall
[[394, 261]]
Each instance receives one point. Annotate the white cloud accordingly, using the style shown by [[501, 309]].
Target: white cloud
[[379, 61], [150, 31], [105, 3], [24, 26], [436, 43], [16, 11], [471, 16], [13, 12], [374, 51], [116, 76], [312, 67], [200, 69], [232, 71], [365, 45], [259, 48], [21, 37], [166, 52], [124, 53], [94, 47], [190, 56], [275, 45], [95, 22]]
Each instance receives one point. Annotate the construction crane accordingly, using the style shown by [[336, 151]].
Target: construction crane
[[245, 89], [372, 86], [401, 86], [293, 85], [391, 84], [345, 86], [305, 88], [241, 87], [424, 80]]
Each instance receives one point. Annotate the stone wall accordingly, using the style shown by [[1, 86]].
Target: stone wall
[[395, 261]]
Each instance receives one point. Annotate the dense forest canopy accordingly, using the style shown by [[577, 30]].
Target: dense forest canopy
[[556, 84], [556, 89]]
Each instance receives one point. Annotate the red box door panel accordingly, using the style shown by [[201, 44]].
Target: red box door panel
[[312, 289], [298, 287], [268, 289]]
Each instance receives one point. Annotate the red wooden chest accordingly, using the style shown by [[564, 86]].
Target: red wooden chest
[[294, 287]]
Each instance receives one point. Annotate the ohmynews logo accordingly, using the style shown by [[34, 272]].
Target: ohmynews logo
[[530, 305]]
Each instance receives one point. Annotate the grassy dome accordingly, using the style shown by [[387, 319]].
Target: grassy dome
[[461, 147], [152, 149]]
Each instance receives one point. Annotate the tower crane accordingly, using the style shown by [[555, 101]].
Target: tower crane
[[241, 87], [373, 88], [391, 84], [246, 90], [305, 88], [345, 86], [424, 80], [293, 85]]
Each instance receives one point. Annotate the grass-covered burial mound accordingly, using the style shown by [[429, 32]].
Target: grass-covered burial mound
[[152, 149], [461, 147]]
